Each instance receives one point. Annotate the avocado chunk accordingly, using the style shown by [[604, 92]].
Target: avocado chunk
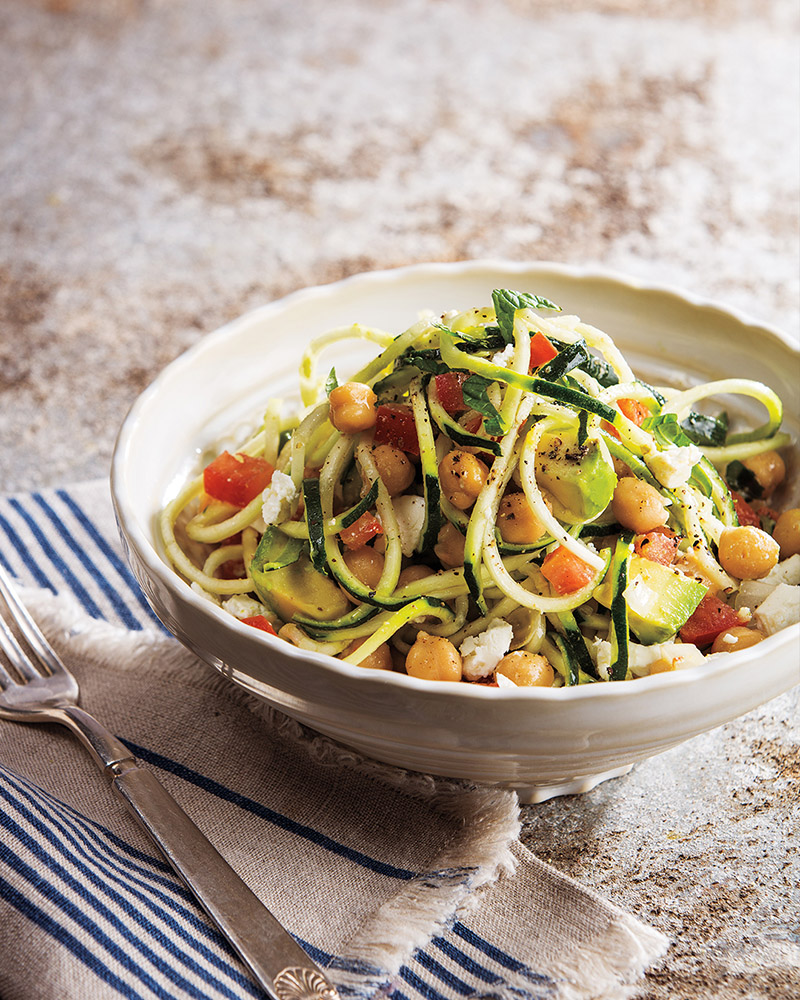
[[298, 589], [285, 579], [660, 599], [579, 478]]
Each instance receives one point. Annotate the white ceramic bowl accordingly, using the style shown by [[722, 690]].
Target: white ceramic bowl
[[542, 742]]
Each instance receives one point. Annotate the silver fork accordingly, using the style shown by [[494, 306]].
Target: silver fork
[[43, 690]]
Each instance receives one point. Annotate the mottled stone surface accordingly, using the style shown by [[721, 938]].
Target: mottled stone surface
[[165, 166]]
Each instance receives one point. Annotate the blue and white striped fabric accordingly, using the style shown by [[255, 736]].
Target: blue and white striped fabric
[[400, 885]]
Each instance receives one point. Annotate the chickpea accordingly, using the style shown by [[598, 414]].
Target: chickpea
[[413, 573], [352, 407], [787, 532], [734, 639], [526, 669], [747, 552], [394, 468], [462, 476], [378, 659], [516, 520], [433, 658], [768, 468], [638, 506], [449, 547], [366, 564], [662, 666]]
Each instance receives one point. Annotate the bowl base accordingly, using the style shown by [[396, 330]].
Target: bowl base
[[531, 794]]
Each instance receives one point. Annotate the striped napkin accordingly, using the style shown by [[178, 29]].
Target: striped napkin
[[401, 885]]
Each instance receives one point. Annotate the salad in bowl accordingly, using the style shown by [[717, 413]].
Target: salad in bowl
[[496, 498]]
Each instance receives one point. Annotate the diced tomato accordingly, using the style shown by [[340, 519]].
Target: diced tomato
[[542, 350], [237, 479], [361, 531], [259, 621], [565, 571], [630, 408], [633, 410], [710, 618], [660, 545], [745, 513], [449, 390], [394, 425]]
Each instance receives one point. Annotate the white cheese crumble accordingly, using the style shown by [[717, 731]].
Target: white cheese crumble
[[673, 466], [410, 513], [504, 358], [640, 658], [242, 606], [780, 610], [753, 593], [481, 653], [505, 682], [277, 497]]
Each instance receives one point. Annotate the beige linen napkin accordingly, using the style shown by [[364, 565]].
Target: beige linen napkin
[[400, 884]]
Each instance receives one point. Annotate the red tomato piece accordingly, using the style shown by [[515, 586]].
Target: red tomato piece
[[237, 479], [449, 390], [565, 571], [361, 531], [744, 511], [259, 621], [542, 350], [660, 545], [630, 408], [710, 618], [394, 425], [633, 410]]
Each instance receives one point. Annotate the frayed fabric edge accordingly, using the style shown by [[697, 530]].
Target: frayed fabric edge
[[489, 816]]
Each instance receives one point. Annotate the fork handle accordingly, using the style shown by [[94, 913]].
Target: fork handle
[[278, 963]]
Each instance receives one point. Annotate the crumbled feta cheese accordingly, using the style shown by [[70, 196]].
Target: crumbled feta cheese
[[481, 653], [640, 658], [787, 571], [277, 497], [410, 513], [680, 654], [673, 465], [780, 610], [753, 593], [204, 593], [504, 358], [242, 606], [600, 652], [504, 682]]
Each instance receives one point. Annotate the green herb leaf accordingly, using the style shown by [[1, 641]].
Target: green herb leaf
[[743, 480], [476, 396], [666, 430], [427, 360], [331, 382], [600, 370], [506, 302], [706, 431]]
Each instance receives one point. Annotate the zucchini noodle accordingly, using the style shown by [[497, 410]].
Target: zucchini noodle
[[459, 511]]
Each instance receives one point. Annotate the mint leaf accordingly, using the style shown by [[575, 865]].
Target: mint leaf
[[331, 382], [707, 431], [666, 430], [506, 302], [476, 397], [743, 480]]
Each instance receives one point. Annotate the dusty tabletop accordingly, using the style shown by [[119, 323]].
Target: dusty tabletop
[[166, 166]]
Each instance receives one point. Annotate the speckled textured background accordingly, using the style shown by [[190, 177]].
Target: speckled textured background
[[165, 166]]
